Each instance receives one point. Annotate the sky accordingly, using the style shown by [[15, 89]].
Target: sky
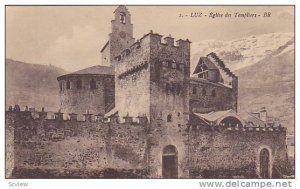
[[71, 37]]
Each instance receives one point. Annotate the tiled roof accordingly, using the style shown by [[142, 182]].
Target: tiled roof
[[94, 70], [102, 70]]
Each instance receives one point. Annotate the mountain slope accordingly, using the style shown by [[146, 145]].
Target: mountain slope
[[32, 85], [246, 51], [269, 83]]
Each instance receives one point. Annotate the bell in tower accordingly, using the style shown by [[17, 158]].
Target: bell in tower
[[123, 18]]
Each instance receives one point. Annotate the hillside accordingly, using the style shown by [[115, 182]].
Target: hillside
[[33, 85], [269, 83]]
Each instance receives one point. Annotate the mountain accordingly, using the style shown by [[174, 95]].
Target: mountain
[[244, 52], [270, 83], [33, 85], [265, 67]]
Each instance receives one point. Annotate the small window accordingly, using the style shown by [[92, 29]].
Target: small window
[[169, 118], [178, 89], [68, 85], [79, 84], [194, 90], [167, 88], [174, 65], [61, 86], [204, 92], [173, 89], [213, 93], [165, 64], [178, 114], [93, 84]]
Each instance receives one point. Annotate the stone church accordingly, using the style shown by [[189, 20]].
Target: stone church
[[148, 111], [150, 76]]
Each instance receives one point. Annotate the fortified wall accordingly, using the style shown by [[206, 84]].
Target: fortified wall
[[63, 146], [37, 147]]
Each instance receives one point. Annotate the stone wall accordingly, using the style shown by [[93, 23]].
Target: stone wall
[[132, 76], [68, 145], [37, 147], [204, 100], [9, 145], [227, 152], [85, 99]]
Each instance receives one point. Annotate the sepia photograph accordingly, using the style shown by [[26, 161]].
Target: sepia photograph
[[148, 92]]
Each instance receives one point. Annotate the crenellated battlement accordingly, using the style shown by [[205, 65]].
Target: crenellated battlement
[[36, 141], [31, 113], [258, 129], [155, 39], [239, 129]]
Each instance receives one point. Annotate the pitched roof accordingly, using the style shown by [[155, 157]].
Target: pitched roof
[[121, 8], [252, 120], [220, 63], [94, 70], [102, 70], [210, 65], [213, 116]]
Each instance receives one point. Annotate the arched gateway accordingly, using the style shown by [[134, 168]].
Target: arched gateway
[[170, 162], [264, 158]]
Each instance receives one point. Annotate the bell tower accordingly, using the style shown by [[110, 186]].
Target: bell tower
[[121, 36]]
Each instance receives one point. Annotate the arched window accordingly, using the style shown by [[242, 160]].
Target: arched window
[[68, 85], [61, 86], [79, 84], [204, 92], [93, 84], [213, 93], [194, 90], [123, 18], [169, 118]]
